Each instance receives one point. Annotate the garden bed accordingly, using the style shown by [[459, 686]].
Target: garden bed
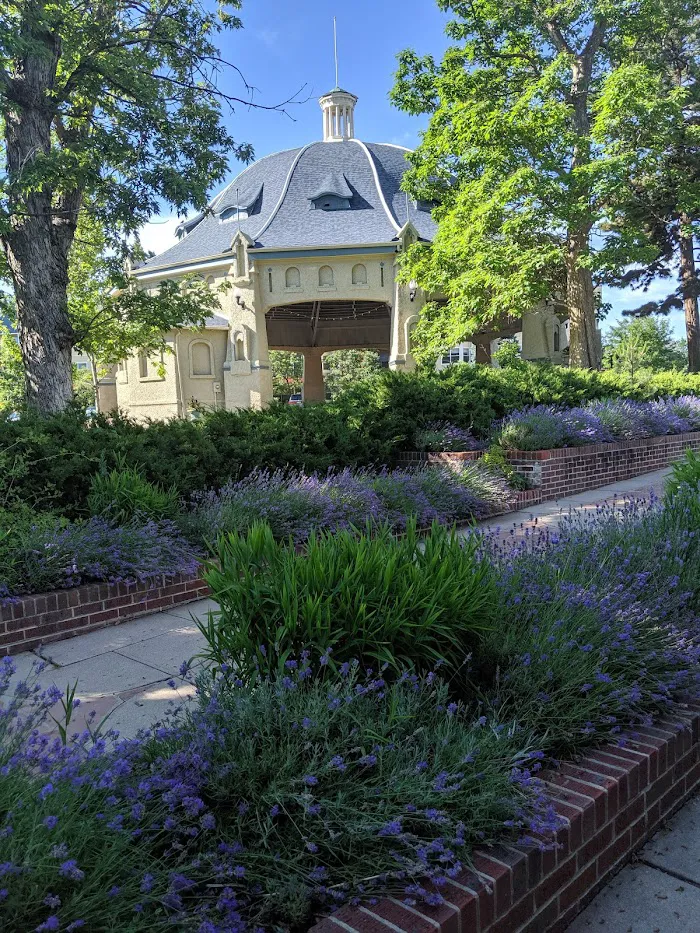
[[41, 618], [565, 471], [29, 621], [613, 800]]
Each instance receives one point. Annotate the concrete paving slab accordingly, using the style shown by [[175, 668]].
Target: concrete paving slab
[[81, 647], [107, 673], [676, 847], [199, 609], [167, 651], [642, 900], [148, 707], [23, 663]]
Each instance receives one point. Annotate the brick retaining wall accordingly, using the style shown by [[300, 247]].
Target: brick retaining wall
[[613, 800], [569, 470], [47, 617]]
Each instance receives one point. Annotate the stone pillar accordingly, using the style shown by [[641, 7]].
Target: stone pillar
[[314, 387], [404, 313], [247, 381]]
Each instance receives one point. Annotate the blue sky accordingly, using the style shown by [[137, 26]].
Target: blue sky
[[287, 46]]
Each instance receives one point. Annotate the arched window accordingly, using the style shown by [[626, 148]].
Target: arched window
[[143, 365], [239, 347], [211, 281], [200, 358], [292, 278], [359, 274], [325, 276], [557, 338]]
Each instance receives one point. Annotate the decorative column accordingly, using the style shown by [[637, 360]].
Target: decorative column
[[314, 389]]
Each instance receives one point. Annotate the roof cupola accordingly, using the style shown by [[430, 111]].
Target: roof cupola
[[338, 115]]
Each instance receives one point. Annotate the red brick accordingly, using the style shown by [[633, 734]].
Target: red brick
[[595, 846], [516, 862], [498, 877], [395, 913], [632, 812], [595, 796], [471, 884], [672, 798], [620, 847], [466, 902], [583, 881], [542, 921], [550, 886], [519, 914], [659, 787]]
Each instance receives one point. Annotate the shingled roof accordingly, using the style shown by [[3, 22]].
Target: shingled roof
[[278, 193]]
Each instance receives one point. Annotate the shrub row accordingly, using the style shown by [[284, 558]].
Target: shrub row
[[49, 462], [272, 799]]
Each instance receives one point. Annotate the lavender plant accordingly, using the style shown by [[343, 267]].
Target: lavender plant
[[600, 625], [442, 435], [543, 427], [323, 783], [258, 807], [45, 553], [295, 504]]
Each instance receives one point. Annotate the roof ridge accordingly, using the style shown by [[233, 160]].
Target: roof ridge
[[282, 196], [247, 169], [375, 175]]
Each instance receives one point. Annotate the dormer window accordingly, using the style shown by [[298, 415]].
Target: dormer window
[[232, 213], [240, 204], [333, 194]]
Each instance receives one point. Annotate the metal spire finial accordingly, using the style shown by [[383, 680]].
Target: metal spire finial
[[335, 50]]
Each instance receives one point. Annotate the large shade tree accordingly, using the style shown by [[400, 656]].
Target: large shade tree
[[509, 160], [647, 123], [109, 107]]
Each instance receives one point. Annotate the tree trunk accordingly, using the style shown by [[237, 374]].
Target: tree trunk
[[45, 332], [483, 349], [584, 349], [42, 227], [689, 286]]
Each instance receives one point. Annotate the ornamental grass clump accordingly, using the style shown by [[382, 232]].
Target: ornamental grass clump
[[39, 553], [407, 601], [257, 808]]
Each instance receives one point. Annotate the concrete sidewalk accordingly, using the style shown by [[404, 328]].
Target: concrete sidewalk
[[123, 671], [660, 891]]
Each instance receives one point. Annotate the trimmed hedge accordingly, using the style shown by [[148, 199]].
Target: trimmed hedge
[[49, 462]]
